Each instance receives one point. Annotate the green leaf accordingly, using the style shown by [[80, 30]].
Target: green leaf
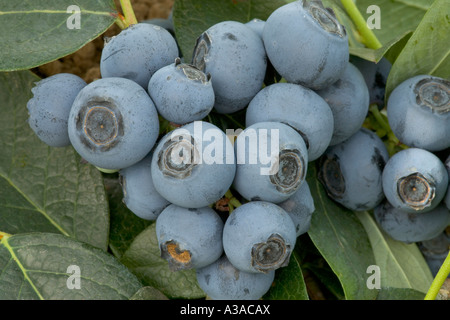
[[288, 283], [125, 225], [39, 31], [144, 260], [341, 239], [44, 189], [49, 266], [427, 51], [400, 294], [148, 293], [397, 17], [401, 265], [388, 49], [192, 17]]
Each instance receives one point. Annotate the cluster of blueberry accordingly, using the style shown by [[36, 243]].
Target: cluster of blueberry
[[317, 113]]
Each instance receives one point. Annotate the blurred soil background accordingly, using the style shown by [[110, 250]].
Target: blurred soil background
[[85, 63]]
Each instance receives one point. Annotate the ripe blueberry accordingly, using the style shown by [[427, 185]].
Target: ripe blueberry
[[300, 207], [50, 106], [189, 238], [194, 165], [351, 171], [140, 195], [235, 57], [306, 44], [137, 52], [271, 162], [222, 281], [348, 99], [259, 236], [414, 180], [411, 227], [418, 111], [113, 123], [301, 108], [181, 93]]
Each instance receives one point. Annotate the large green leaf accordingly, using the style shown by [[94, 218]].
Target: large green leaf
[[192, 17], [342, 240], [288, 283], [400, 294], [397, 17], [39, 31], [401, 265], [42, 188], [427, 51], [49, 266], [144, 260]]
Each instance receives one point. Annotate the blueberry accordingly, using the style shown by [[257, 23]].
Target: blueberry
[[271, 162], [140, 195], [222, 281], [194, 165], [181, 93], [50, 106], [189, 238], [351, 171], [447, 195], [375, 75], [256, 25], [301, 108], [411, 227], [306, 44], [259, 236], [348, 99], [235, 57], [113, 123], [418, 111], [300, 207], [137, 52], [435, 251], [414, 180]]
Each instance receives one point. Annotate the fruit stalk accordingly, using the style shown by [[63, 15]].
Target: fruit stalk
[[368, 37], [438, 281], [128, 15]]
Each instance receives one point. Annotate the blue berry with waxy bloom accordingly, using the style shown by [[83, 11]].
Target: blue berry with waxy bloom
[[235, 57], [299, 107], [189, 238], [306, 44], [194, 165], [418, 112], [415, 180], [411, 227], [222, 281], [348, 99], [271, 162], [181, 92], [259, 237], [137, 52], [113, 123], [351, 171], [139, 193], [300, 207], [49, 108]]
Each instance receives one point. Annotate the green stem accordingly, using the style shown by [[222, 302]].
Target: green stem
[[369, 38], [120, 22], [128, 12], [438, 281], [232, 200]]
